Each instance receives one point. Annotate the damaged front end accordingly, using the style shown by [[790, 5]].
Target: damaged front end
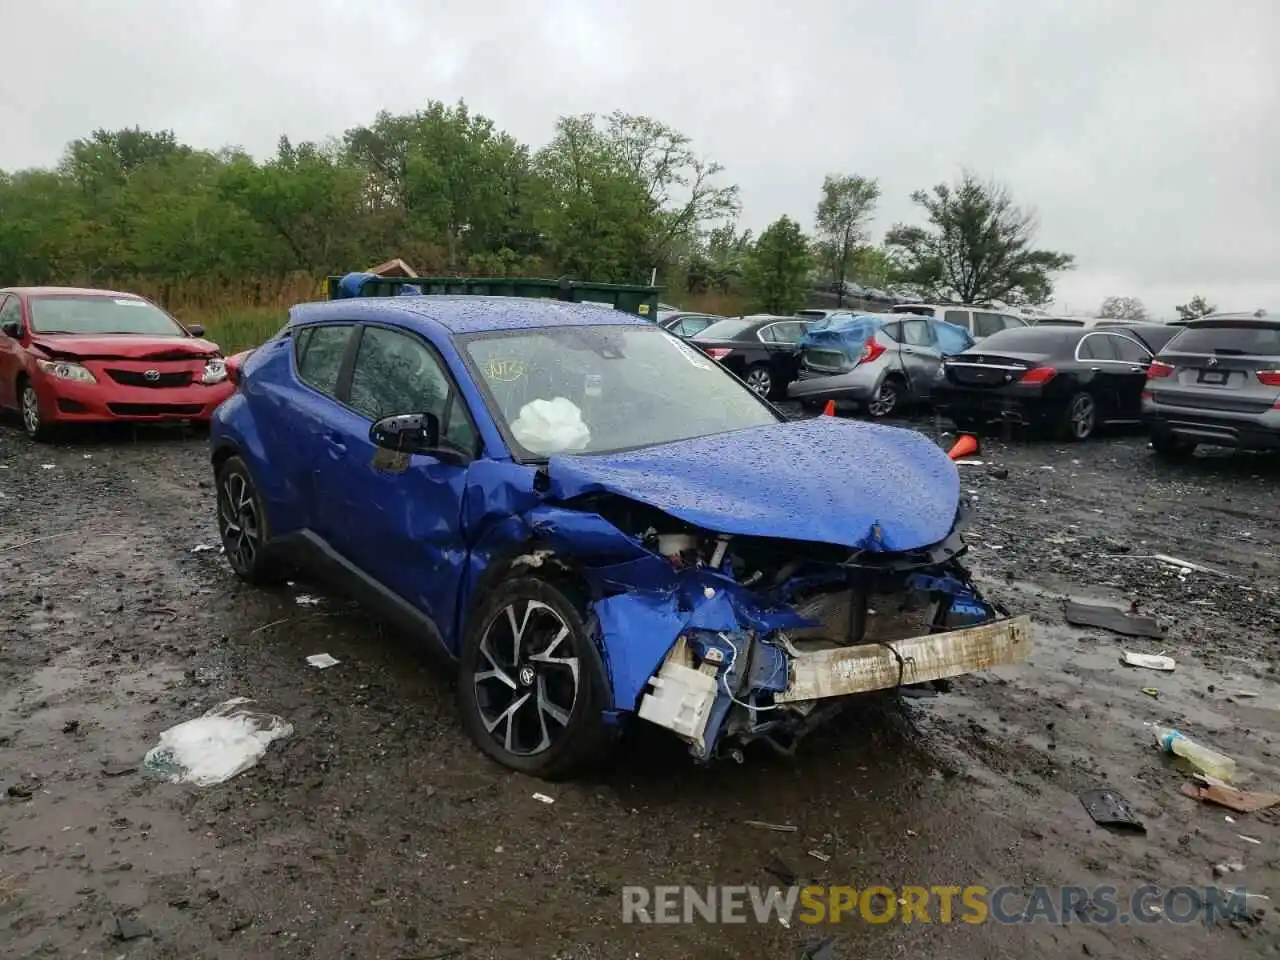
[[730, 639]]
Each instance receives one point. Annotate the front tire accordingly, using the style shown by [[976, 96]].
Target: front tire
[[242, 524], [31, 415], [531, 687]]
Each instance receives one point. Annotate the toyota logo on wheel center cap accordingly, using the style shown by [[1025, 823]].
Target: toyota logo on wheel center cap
[[525, 676]]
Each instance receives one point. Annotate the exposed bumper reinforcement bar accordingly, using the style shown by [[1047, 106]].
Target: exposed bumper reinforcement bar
[[937, 656]]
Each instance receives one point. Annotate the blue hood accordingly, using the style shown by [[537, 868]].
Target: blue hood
[[825, 480]]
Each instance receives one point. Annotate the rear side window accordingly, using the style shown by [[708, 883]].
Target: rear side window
[[1251, 340], [893, 331], [959, 317], [1130, 351], [319, 352], [1098, 346], [917, 333], [1011, 322], [986, 324]]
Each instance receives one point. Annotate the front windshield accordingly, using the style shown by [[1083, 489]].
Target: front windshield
[[98, 315], [603, 388]]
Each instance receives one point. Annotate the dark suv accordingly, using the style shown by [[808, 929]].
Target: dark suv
[[1216, 382]]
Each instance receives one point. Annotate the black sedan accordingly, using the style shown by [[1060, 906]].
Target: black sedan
[[685, 324], [1065, 381], [761, 350]]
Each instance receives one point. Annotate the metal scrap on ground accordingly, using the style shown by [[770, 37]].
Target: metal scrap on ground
[[1113, 619]]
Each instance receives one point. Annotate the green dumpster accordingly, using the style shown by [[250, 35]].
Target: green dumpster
[[642, 301]]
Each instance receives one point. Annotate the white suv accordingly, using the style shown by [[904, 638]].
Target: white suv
[[979, 321]]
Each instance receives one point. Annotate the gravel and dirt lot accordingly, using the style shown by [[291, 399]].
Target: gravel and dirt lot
[[377, 830]]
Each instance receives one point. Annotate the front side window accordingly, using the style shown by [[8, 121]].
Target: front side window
[[397, 373], [10, 309], [595, 389], [318, 355], [90, 315], [1130, 351], [917, 333]]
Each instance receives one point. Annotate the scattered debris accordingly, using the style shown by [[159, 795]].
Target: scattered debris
[[1152, 661], [779, 869], [1217, 765], [126, 928], [47, 466], [202, 548], [1109, 809], [970, 463], [217, 746], [1113, 619], [1245, 694], [115, 769], [824, 949], [1151, 692], [1241, 801], [306, 600], [19, 792], [778, 827], [819, 855], [1253, 840], [71, 726], [322, 661], [1000, 473], [543, 798]]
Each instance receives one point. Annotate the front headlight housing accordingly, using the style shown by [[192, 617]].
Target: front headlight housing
[[215, 371], [66, 370]]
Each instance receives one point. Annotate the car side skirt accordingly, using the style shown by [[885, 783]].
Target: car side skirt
[[308, 550]]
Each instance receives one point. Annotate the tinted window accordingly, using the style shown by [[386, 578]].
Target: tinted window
[[1157, 337], [726, 329], [1251, 339], [319, 353], [959, 317], [985, 324], [1130, 351], [1011, 322], [789, 331], [917, 333], [771, 333], [1046, 340], [397, 373], [95, 314], [1097, 346], [690, 325]]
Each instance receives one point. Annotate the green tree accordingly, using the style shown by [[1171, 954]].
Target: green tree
[[776, 270], [977, 247], [1123, 308], [846, 206], [1197, 306]]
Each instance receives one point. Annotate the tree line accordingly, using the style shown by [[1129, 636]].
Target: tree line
[[615, 198]]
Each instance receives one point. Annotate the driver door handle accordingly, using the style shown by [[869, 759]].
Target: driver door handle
[[337, 444]]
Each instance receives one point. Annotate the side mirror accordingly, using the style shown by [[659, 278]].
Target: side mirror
[[12, 328], [414, 433], [195, 329]]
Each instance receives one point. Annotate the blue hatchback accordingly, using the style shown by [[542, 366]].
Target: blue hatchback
[[593, 521]]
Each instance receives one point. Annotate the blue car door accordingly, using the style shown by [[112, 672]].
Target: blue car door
[[398, 519]]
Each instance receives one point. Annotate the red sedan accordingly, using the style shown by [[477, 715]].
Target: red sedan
[[83, 356]]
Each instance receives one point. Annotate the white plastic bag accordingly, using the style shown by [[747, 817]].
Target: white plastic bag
[[226, 741], [551, 426]]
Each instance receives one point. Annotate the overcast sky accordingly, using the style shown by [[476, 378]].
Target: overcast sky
[[1146, 134]]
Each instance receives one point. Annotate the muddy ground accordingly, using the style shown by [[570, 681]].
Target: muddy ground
[[377, 830]]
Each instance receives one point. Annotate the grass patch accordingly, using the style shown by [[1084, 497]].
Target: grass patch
[[237, 329]]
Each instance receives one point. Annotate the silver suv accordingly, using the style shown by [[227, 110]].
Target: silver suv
[[978, 320], [1216, 382], [897, 365]]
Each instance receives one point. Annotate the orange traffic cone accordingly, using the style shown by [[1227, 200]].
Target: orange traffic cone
[[830, 409], [966, 446]]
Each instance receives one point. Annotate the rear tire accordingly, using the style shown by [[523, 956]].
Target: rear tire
[[1169, 447], [888, 398], [1080, 418], [759, 379], [531, 686], [242, 525]]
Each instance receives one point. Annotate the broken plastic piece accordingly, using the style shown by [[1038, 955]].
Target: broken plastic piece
[[322, 661], [776, 827], [1151, 692], [543, 798], [1241, 801], [1113, 619], [1109, 809], [682, 698], [1151, 661]]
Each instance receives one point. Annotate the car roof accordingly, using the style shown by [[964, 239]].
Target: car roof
[[466, 314], [68, 291]]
